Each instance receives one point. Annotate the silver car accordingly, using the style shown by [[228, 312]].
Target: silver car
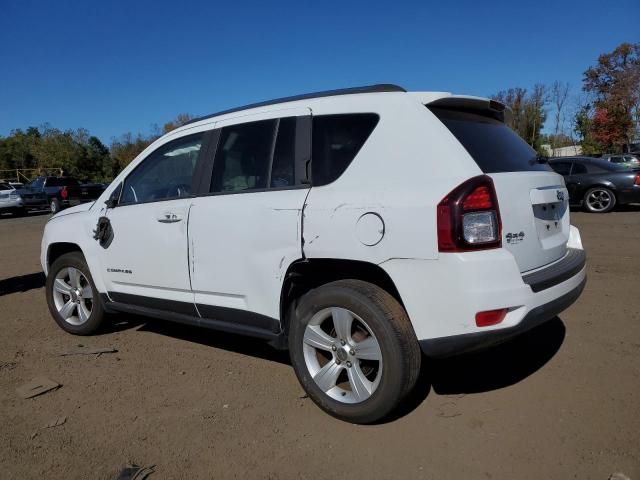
[[10, 200], [623, 158]]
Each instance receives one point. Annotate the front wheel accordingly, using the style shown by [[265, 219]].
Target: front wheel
[[354, 350], [72, 297], [599, 200]]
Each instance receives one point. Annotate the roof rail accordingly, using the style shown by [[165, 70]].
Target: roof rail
[[381, 87]]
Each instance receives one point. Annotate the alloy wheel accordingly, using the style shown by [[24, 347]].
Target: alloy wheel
[[599, 200], [73, 296], [342, 355]]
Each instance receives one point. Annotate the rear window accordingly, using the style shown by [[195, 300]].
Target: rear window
[[337, 139], [493, 145], [61, 182]]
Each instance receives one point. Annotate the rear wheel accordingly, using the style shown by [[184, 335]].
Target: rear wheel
[[72, 297], [599, 200], [354, 350], [54, 206]]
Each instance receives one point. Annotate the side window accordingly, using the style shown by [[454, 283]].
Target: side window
[[578, 169], [563, 168], [38, 183], [284, 155], [165, 174], [596, 169], [243, 157], [337, 139]]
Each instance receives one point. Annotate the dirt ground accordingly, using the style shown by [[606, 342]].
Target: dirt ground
[[562, 402]]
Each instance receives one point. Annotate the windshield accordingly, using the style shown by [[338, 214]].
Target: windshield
[[494, 146]]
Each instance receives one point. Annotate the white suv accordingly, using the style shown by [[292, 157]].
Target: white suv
[[354, 227]]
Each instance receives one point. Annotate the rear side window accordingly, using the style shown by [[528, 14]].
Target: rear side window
[[284, 154], [337, 139], [563, 168], [493, 145], [579, 168], [243, 156]]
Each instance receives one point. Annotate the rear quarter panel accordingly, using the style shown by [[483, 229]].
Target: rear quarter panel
[[408, 164]]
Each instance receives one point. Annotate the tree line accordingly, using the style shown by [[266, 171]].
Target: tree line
[[603, 118], [75, 152]]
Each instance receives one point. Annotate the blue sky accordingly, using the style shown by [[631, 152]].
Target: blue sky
[[119, 66]]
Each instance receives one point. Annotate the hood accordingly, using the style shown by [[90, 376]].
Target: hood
[[83, 207]]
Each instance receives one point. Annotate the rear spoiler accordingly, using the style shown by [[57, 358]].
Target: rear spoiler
[[479, 105]]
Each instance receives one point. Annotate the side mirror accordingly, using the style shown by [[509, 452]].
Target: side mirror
[[112, 201]]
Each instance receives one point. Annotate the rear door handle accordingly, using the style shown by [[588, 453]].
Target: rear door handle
[[169, 217]]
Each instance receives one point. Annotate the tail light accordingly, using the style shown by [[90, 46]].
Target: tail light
[[64, 193], [637, 180], [469, 218]]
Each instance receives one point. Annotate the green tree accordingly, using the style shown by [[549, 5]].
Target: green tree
[[97, 160], [583, 127], [180, 120], [125, 148], [528, 112]]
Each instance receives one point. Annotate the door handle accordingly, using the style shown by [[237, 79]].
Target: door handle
[[169, 217]]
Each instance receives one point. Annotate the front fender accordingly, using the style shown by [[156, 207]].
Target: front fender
[[76, 229]]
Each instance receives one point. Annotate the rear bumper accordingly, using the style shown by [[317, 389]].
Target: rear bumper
[[11, 204], [629, 195], [443, 296], [457, 344]]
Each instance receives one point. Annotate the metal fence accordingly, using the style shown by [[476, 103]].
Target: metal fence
[[27, 174]]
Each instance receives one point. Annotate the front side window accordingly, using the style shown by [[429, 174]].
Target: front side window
[[165, 174], [337, 139]]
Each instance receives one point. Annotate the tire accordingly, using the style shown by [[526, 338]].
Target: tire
[[377, 319], [83, 311], [54, 205], [599, 200]]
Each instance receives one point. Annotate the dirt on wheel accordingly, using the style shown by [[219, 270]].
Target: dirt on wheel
[[560, 402]]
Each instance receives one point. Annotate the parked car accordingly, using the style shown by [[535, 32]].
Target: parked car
[[12, 200], [354, 227], [63, 192], [623, 158], [596, 184]]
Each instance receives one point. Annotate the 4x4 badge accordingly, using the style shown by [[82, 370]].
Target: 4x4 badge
[[513, 238]]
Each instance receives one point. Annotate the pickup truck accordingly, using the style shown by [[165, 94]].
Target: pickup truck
[[61, 192]]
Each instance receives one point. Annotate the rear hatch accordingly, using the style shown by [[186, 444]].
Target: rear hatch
[[533, 199]]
